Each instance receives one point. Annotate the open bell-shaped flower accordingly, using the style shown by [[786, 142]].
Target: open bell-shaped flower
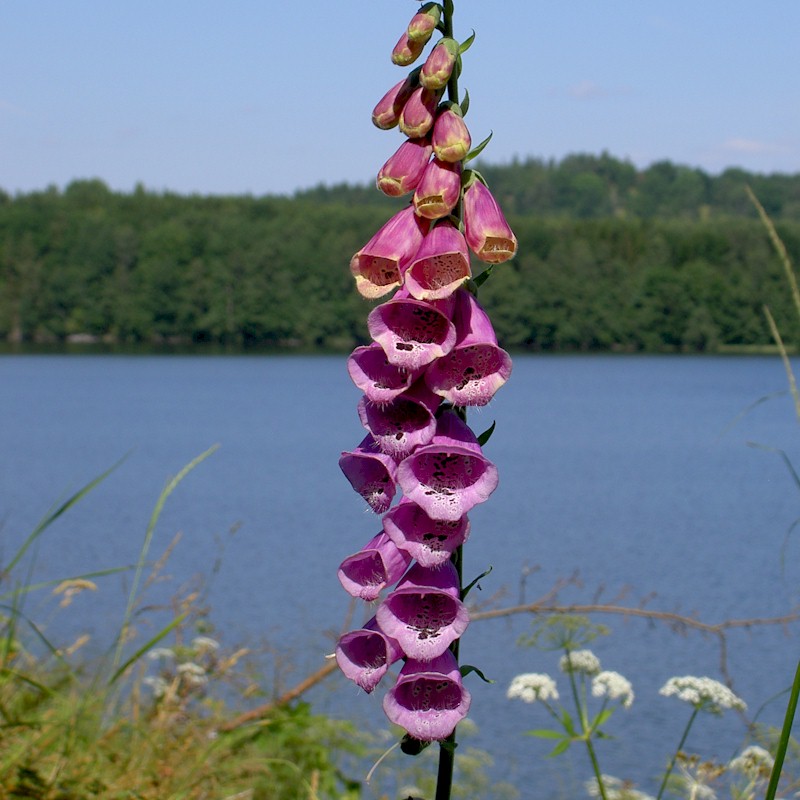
[[412, 332], [405, 423], [386, 114], [403, 171], [430, 541], [379, 264], [429, 698], [439, 189], [370, 371], [441, 264], [424, 22], [419, 113], [451, 139], [365, 655], [488, 234], [450, 475], [371, 473], [471, 373], [407, 50], [377, 565], [424, 613], [439, 65]]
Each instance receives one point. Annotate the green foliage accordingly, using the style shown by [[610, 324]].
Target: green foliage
[[610, 258]]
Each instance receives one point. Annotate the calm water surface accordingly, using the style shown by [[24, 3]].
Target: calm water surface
[[633, 474]]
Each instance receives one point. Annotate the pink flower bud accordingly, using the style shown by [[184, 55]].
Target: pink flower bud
[[424, 22], [386, 113], [451, 139], [488, 234], [417, 115], [439, 65], [439, 190], [407, 51], [403, 171]]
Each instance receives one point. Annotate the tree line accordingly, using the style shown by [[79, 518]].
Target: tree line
[[667, 258]]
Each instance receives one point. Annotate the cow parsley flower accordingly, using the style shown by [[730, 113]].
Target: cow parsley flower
[[705, 694], [754, 762], [584, 662], [157, 653], [613, 686], [616, 789], [532, 686]]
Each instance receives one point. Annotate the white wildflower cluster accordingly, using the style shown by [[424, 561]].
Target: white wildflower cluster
[[754, 762], [613, 686], [158, 685], [161, 653], [581, 661], [705, 694], [192, 674], [205, 644], [616, 789], [532, 686], [695, 778]]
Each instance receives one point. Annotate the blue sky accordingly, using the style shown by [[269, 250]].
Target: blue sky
[[265, 97]]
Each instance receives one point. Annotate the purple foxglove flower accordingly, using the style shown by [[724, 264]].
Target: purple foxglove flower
[[365, 655], [405, 423], [476, 367], [441, 264], [412, 332], [450, 475], [424, 22], [379, 264], [419, 112], [488, 234], [371, 372], [429, 698], [386, 114], [380, 563], [424, 613], [451, 139], [407, 50], [439, 65], [403, 171], [438, 191], [429, 541], [371, 473]]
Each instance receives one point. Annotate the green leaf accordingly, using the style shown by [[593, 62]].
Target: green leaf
[[545, 733], [566, 721], [560, 748], [476, 151], [464, 104], [465, 670], [467, 43], [487, 434], [602, 717], [479, 280], [467, 589]]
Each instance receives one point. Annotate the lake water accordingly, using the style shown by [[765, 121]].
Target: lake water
[[634, 472]]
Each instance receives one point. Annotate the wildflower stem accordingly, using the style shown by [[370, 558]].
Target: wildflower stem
[[677, 750], [783, 742], [586, 732]]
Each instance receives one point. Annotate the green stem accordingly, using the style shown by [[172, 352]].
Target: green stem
[[587, 734], [677, 750], [783, 742]]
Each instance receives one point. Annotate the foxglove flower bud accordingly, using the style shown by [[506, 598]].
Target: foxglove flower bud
[[476, 367], [386, 113], [379, 564], [371, 372], [405, 423], [441, 264], [424, 22], [450, 475], [418, 113], [371, 473], [429, 698], [451, 139], [407, 51], [430, 541], [439, 65], [365, 655], [488, 234], [379, 265], [424, 613], [412, 332], [403, 171], [439, 190]]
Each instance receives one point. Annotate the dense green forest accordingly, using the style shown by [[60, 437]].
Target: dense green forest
[[610, 258]]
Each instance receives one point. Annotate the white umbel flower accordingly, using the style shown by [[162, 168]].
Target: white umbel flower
[[203, 644], [158, 653], [705, 694], [613, 686], [616, 789], [532, 686], [754, 762], [582, 661]]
